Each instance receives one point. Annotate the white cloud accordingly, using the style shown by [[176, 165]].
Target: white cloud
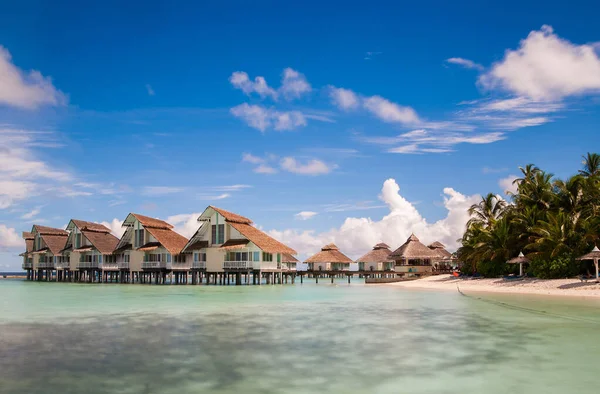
[[507, 184], [546, 67], [262, 118], [149, 90], [265, 169], [294, 84], [344, 99], [22, 171], [520, 104], [210, 197], [311, 167], [466, 63], [390, 112], [305, 215], [240, 80], [10, 239], [115, 226], [250, 158], [31, 214], [185, 224], [25, 90], [357, 236], [229, 188], [161, 190]]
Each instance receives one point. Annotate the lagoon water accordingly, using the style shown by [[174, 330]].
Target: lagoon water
[[83, 338]]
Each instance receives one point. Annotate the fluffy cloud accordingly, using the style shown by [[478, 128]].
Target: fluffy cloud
[[507, 184], [240, 80], [546, 67], [344, 99], [305, 215], [356, 236], [294, 84], [390, 112], [25, 90], [185, 224], [115, 226], [466, 63], [262, 118], [10, 239], [311, 167]]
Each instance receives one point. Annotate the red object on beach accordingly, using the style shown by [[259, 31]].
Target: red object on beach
[[456, 274]]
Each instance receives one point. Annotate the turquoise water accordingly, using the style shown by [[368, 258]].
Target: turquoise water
[[82, 338]]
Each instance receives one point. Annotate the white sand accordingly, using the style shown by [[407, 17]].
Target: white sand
[[562, 287]]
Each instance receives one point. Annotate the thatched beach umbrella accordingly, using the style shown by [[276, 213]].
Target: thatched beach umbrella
[[594, 255], [380, 254], [520, 259]]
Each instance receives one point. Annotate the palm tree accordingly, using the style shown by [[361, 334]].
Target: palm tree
[[591, 165], [557, 235], [487, 211]]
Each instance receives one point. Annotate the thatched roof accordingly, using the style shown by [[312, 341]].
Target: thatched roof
[[440, 249], [169, 239], [380, 254], [520, 259], [231, 217], [147, 221], [98, 235], [329, 254], [261, 239], [29, 238], [288, 258], [54, 238], [413, 249], [593, 255]]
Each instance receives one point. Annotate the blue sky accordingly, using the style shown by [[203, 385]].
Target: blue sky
[[294, 116]]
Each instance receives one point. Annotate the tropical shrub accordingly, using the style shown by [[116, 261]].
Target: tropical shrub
[[559, 267]]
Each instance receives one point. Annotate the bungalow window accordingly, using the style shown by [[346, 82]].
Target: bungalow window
[[278, 258], [179, 258], [203, 257], [256, 256], [237, 256], [78, 240], [139, 237], [126, 258], [268, 257], [218, 234], [153, 258], [196, 257]]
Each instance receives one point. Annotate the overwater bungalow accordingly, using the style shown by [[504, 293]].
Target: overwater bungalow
[[228, 243], [88, 252], [377, 259], [149, 247], [414, 258], [329, 259], [27, 256], [48, 242]]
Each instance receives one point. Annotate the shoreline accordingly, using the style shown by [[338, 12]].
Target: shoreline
[[553, 287]]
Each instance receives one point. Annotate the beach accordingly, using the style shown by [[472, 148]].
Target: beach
[[554, 287]]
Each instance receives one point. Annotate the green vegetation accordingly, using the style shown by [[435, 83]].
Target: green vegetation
[[552, 221]]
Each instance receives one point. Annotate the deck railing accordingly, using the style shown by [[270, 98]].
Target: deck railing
[[238, 265], [123, 265], [27, 266], [154, 264], [87, 264], [199, 265], [63, 265], [46, 264]]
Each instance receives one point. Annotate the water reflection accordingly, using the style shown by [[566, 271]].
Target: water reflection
[[324, 347]]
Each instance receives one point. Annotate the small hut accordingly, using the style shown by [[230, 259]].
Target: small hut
[[414, 258], [594, 255], [520, 259], [329, 259], [445, 259], [377, 259]]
